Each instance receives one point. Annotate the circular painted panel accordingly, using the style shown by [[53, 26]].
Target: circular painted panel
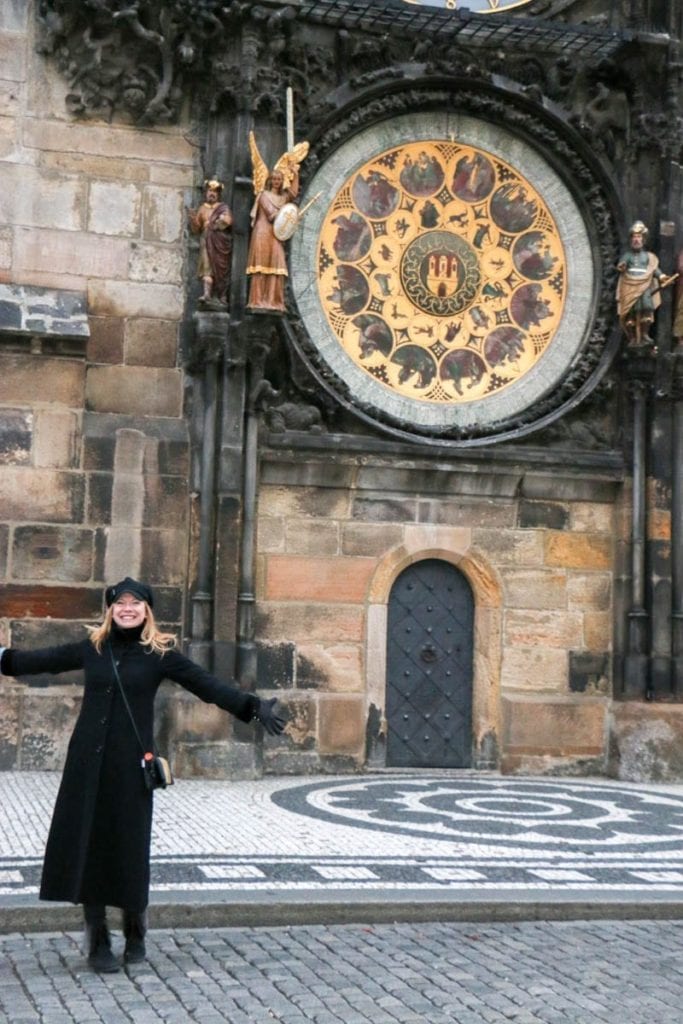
[[442, 271], [448, 278]]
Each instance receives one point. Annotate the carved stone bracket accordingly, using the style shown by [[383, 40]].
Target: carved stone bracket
[[209, 340]]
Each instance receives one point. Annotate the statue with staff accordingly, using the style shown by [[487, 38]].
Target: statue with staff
[[274, 217], [212, 221], [678, 304], [639, 288]]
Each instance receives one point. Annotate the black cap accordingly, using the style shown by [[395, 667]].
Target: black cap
[[129, 586]]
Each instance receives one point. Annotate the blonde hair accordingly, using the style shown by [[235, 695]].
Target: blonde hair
[[151, 636]]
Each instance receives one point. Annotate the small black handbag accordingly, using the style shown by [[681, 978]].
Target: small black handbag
[[157, 771]]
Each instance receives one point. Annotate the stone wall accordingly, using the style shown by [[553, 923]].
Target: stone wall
[[96, 483], [334, 534], [93, 441]]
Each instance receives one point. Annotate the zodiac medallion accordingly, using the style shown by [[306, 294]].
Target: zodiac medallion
[[441, 271]]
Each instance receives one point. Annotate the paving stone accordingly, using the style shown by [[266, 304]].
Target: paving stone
[[446, 973]]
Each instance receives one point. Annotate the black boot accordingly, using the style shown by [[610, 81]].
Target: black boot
[[134, 930], [100, 956]]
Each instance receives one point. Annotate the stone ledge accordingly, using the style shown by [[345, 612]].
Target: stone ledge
[[554, 726], [42, 312], [161, 428], [328, 460], [646, 741]]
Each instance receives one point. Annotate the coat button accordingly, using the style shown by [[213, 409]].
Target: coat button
[[103, 721], [98, 750]]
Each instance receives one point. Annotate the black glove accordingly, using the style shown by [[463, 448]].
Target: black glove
[[271, 721]]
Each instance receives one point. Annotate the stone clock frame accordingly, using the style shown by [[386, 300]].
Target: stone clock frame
[[580, 199]]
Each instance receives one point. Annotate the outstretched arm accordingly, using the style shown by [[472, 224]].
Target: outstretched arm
[[63, 658], [243, 705]]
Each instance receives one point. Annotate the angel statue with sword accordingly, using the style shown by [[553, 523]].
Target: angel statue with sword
[[266, 263]]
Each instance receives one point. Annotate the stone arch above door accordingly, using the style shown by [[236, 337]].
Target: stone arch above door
[[449, 545]]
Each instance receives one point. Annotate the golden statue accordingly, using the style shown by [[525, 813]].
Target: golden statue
[[273, 218]]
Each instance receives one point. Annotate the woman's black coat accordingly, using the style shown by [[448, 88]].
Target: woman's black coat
[[99, 841]]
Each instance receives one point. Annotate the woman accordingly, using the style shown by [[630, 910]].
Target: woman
[[98, 846]]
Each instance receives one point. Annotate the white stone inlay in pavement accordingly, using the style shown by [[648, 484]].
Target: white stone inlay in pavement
[[231, 871], [11, 876], [658, 876], [342, 872], [453, 874], [557, 875]]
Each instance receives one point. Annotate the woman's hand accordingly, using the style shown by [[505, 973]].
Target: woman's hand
[[271, 721]]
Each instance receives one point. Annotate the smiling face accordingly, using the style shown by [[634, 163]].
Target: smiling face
[[128, 611]]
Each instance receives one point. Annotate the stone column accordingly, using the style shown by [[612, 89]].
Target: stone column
[[228, 505], [259, 331], [640, 370], [677, 526], [211, 336], [124, 541]]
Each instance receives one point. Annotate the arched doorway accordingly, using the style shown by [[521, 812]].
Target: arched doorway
[[430, 633]]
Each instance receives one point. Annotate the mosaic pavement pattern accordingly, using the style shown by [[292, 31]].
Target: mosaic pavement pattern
[[428, 833]]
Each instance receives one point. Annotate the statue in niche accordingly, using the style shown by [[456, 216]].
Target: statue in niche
[[213, 222], [639, 288], [273, 217], [678, 309]]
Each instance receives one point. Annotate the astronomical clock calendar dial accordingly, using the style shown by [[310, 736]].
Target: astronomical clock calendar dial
[[446, 279], [442, 273]]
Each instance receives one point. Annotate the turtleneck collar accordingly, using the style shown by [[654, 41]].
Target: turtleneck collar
[[126, 636]]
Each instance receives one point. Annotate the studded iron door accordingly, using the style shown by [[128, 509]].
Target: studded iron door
[[429, 668]]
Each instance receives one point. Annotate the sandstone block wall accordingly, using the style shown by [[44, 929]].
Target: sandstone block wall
[[334, 535], [94, 451]]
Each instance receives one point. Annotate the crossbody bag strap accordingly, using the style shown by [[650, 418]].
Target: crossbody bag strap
[[125, 699]]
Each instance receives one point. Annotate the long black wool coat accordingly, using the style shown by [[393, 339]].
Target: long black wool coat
[[99, 840]]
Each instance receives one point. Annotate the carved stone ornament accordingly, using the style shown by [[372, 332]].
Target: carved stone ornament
[[451, 286], [143, 60]]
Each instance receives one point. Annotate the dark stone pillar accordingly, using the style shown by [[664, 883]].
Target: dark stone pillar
[[640, 369], [210, 339], [229, 483], [677, 526], [258, 330]]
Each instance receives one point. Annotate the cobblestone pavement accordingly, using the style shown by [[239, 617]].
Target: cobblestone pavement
[[388, 836], [526, 973]]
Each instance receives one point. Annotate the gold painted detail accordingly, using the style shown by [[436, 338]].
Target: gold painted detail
[[441, 271]]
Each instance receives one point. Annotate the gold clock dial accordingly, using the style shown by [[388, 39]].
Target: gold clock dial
[[441, 271], [445, 276]]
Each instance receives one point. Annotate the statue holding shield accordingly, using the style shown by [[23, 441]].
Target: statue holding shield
[[273, 219]]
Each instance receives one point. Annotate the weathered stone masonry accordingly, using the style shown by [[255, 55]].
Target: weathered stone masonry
[[139, 437]]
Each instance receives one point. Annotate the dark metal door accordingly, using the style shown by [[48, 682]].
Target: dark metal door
[[429, 668]]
